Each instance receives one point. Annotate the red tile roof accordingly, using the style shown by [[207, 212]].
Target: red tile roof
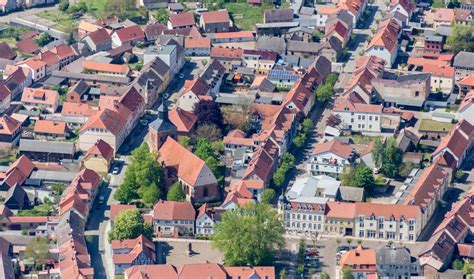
[[359, 257], [105, 67], [224, 52], [342, 210], [6, 52], [299, 95], [198, 86], [149, 271], [439, 71], [334, 146], [8, 125], [182, 19], [18, 172], [27, 45], [137, 247], [387, 210], [467, 81], [40, 96], [77, 109], [99, 36], [64, 51], [215, 17], [202, 271], [130, 33], [231, 35], [172, 210], [115, 209], [467, 101], [50, 127], [101, 148], [190, 42], [444, 15], [386, 36], [183, 120]]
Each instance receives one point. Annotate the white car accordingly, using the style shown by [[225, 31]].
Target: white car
[[115, 170]]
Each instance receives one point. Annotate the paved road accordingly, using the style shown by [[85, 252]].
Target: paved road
[[26, 13]]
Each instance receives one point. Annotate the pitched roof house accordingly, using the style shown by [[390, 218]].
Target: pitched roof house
[[215, 21], [173, 218], [128, 35], [99, 157], [130, 252], [181, 21], [6, 52], [198, 182], [40, 99], [455, 146], [384, 44]]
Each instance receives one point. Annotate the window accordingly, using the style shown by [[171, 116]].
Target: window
[[410, 237], [361, 233]]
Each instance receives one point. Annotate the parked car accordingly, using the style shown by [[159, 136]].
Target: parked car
[[101, 199], [116, 170]]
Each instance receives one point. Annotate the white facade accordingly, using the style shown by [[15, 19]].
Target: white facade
[[204, 225], [360, 121], [467, 113], [35, 74], [198, 52], [303, 219], [326, 163], [378, 227], [383, 53]]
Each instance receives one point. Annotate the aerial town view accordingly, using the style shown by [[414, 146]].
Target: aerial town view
[[236, 139]]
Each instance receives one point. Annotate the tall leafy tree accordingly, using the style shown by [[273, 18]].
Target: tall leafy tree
[[392, 159], [176, 193], [461, 38], [377, 152], [250, 235], [206, 151], [363, 178], [268, 195], [208, 112], [130, 224], [37, 250], [143, 178]]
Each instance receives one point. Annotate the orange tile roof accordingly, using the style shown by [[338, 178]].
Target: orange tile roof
[[34, 63], [189, 166], [467, 81], [250, 272], [198, 86], [172, 210], [299, 95], [225, 52], [468, 100], [387, 210], [130, 33], [182, 19], [87, 26], [150, 271], [444, 15], [334, 146], [105, 67], [137, 247], [342, 210], [190, 42], [386, 36], [8, 125], [358, 257], [40, 96], [183, 120], [77, 109], [50, 127], [417, 61], [326, 10], [215, 17], [107, 119], [231, 35], [101, 148], [439, 71], [115, 209]]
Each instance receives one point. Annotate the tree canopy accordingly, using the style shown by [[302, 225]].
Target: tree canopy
[[268, 195], [392, 159], [325, 91], [176, 192], [461, 38], [250, 235], [287, 162], [161, 15], [377, 152], [206, 151], [143, 178], [208, 112], [130, 224], [37, 250], [363, 178]]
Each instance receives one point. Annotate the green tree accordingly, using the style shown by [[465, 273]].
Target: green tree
[[324, 275], [347, 176], [461, 38], [250, 235], [377, 152], [209, 132], [307, 125], [363, 178], [283, 274], [347, 273], [143, 178], [43, 39], [324, 93], [58, 189], [184, 141], [300, 257], [268, 195], [406, 168], [130, 224], [457, 264], [161, 15], [468, 269], [176, 192], [37, 250], [287, 162], [63, 5], [205, 151], [392, 159], [458, 175]]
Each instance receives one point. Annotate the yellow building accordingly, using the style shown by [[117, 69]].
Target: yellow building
[[339, 218], [99, 157]]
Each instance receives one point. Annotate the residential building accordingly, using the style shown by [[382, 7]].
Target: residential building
[[322, 15], [358, 117], [261, 61], [50, 129], [194, 91], [167, 53], [172, 218], [6, 52], [65, 53], [232, 37], [405, 7], [393, 222], [99, 40], [330, 158], [443, 16], [181, 21], [10, 131], [442, 78], [35, 66], [466, 109], [454, 147], [128, 35], [408, 91], [463, 17], [152, 80], [318, 186], [40, 99], [17, 173], [339, 218], [154, 31], [300, 99], [206, 219], [361, 261], [464, 64], [384, 44], [180, 164], [6, 248], [213, 75], [115, 123], [28, 46], [99, 157], [230, 58], [396, 262], [130, 252], [153, 4], [433, 44], [197, 46], [215, 22]]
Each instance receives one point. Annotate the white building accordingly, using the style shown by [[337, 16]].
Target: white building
[[384, 44], [303, 215], [358, 117], [319, 186], [330, 158]]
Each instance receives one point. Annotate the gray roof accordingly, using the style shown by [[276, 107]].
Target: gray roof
[[6, 267], [44, 146], [278, 15], [70, 227], [387, 255], [301, 29], [306, 11], [277, 25], [51, 175], [176, 6], [434, 38], [161, 49], [162, 123], [353, 194], [464, 59], [276, 44], [232, 99], [413, 78], [444, 30], [18, 194], [304, 47], [91, 77]]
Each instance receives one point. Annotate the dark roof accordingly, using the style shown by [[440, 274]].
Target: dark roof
[[152, 30], [265, 55], [80, 88], [43, 146], [6, 267], [16, 195], [464, 59], [276, 44], [278, 15], [6, 52], [387, 255]]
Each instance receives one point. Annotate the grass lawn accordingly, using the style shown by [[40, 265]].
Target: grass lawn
[[63, 21], [438, 4], [10, 41], [96, 7], [360, 139], [245, 16], [436, 126]]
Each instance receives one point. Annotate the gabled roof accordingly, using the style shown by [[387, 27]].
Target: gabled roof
[[39, 96], [27, 45], [183, 120], [298, 95], [135, 248], [63, 51], [172, 210], [50, 127], [359, 257], [386, 36], [105, 67], [100, 36], [206, 270], [115, 209], [130, 33], [221, 16], [334, 146], [387, 211], [408, 5], [182, 19], [8, 125], [101, 148], [155, 29], [439, 71], [18, 172], [77, 109], [198, 86], [6, 52], [189, 167], [225, 52]]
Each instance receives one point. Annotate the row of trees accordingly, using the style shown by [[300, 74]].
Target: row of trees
[[287, 162], [143, 178], [303, 133]]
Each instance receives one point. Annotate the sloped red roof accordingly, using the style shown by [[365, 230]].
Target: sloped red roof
[[101, 148], [215, 17], [183, 120], [334, 146], [182, 19], [172, 210]]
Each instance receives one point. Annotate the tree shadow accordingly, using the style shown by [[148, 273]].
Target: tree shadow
[[163, 250]]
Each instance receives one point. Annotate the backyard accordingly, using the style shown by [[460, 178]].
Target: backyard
[[64, 22], [245, 16], [436, 126]]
